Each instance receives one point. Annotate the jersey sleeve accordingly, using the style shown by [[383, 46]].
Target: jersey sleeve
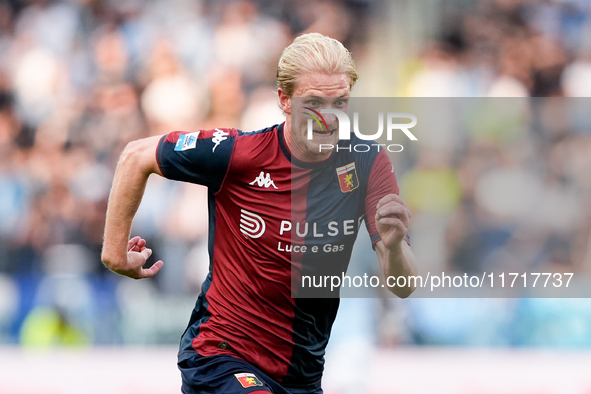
[[382, 181], [201, 157]]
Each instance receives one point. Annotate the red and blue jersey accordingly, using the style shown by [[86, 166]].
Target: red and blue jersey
[[273, 219]]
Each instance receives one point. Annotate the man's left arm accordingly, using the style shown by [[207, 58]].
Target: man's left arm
[[388, 218], [396, 258]]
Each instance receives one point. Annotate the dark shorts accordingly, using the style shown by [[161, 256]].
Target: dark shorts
[[224, 375]]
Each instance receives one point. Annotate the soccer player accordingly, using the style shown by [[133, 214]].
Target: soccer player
[[279, 208]]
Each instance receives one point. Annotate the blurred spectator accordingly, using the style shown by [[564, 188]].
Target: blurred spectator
[[9, 301], [248, 42], [63, 311], [442, 73], [171, 100], [44, 327], [576, 79], [432, 191]]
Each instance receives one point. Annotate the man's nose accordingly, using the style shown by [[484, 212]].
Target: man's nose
[[331, 119]]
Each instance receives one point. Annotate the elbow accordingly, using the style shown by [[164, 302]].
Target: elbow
[[403, 292], [110, 261], [139, 155], [131, 154], [107, 261]]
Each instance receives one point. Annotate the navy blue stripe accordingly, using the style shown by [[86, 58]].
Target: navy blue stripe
[[200, 312]]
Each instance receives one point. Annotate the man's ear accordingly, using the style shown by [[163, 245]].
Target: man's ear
[[284, 101]]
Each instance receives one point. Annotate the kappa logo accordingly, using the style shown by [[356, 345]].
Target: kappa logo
[[218, 137], [348, 177], [186, 141], [248, 379], [263, 181], [251, 224]]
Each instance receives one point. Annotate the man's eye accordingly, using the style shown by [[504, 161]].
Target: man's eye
[[339, 103], [314, 103]]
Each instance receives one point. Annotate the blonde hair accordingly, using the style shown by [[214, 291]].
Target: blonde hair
[[313, 52]]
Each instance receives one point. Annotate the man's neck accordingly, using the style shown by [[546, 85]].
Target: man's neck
[[298, 152], [287, 134]]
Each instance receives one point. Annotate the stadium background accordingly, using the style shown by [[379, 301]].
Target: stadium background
[[79, 79]]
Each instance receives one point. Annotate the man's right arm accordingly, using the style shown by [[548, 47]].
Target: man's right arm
[[120, 254]]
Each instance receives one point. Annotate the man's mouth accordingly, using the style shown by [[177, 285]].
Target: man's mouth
[[323, 132]]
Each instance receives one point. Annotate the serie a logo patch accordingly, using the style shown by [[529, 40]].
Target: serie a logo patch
[[186, 141], [248, 380], [348, 177]]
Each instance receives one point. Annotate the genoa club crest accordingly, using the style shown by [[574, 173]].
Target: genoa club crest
[[248, 380], [348, 177]]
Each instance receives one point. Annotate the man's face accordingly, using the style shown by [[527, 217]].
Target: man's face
[[314, 92]]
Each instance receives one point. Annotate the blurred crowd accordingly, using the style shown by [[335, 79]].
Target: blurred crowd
[[81, 78]]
